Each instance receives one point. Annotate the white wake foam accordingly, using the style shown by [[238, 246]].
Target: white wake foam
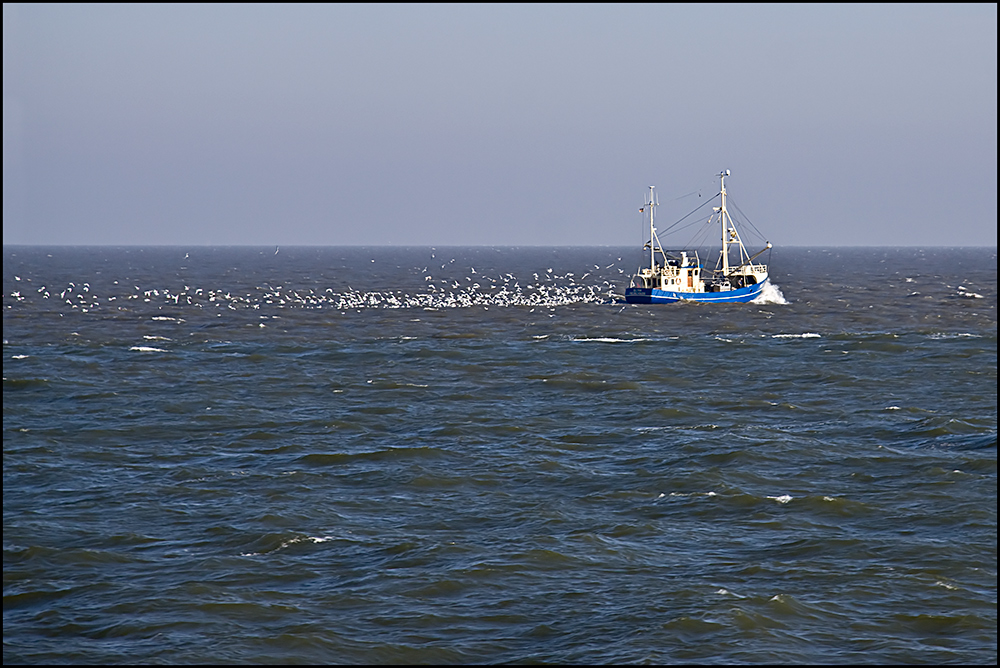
[[770, 294]]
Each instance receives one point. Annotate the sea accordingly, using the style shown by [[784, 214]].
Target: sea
[[484, 455]]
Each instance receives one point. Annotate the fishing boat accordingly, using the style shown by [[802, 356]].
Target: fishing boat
[[680, 275]]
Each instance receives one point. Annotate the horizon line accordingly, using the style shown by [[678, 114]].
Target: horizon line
[[354, 245]]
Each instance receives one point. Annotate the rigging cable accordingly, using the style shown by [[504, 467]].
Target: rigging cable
[[685, 217], [747, 218], [694, 222], [700, 235]]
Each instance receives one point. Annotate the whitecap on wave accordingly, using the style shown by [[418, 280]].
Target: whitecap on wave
[[607, 339], [804, 335], [966, 293]]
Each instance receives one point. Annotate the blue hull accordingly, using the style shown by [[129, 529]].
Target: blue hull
[[657, 296]]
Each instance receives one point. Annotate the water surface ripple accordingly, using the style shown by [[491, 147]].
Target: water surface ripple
[[448, 455]]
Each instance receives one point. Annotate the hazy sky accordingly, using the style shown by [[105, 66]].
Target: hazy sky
[[501, 125]]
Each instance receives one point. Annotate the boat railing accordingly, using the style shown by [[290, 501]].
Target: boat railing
[[747, 269]]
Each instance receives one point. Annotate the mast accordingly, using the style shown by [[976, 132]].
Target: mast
[[652, 230], [723, 214]]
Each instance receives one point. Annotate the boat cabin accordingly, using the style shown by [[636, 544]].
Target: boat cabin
[[680, 273]]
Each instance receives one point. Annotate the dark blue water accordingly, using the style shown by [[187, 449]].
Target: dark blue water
[[450, 455]]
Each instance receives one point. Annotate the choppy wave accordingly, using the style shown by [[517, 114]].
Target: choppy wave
[[392, 476]]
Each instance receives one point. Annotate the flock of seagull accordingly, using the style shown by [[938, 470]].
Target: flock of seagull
[[544, 290]]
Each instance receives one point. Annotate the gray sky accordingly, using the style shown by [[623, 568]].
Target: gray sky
[[501, 125]]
